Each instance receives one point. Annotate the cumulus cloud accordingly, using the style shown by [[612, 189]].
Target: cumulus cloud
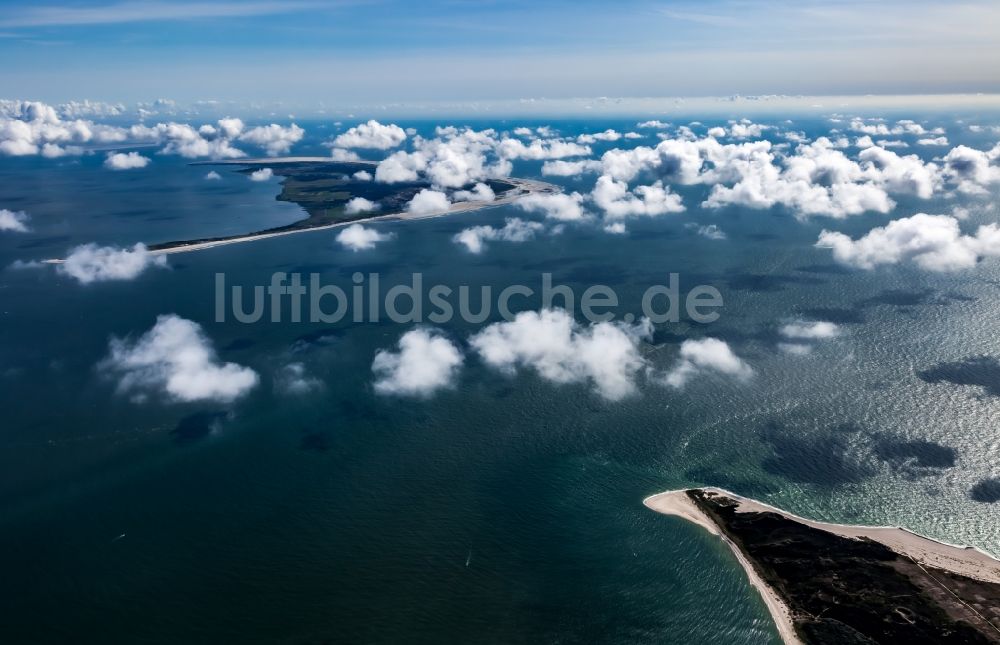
[[972, 169], [746, 129], [213, 176], [371, 135], [126, 161], [13, 221], [655, 123], [263, 174], [558, 206], [425, 362], [339, 154], [358, 205], [607, 135], [615, 199], [479, 193], [32, 127], [427, 202], [541, 149], [933, 141], [274, 139], [453, 159], [802, 334], [706, 355], [561, 168], [362, 175], [294, 379], [514, 230], [710, 231], [814, 330], [933, 242], [560, 350], [214, 142], [92, 263], [879, 128], [358, 238], [175, 358]]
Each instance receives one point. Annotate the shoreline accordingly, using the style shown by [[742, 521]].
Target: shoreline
[[966, 561], [521, 188], [678, 504]]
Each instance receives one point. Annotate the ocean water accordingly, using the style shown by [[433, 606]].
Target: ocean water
[[505, 510]]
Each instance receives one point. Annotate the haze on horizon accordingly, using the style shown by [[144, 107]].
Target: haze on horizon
[[393, 51]]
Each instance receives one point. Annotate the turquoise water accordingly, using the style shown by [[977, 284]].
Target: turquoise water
[[505, 510]]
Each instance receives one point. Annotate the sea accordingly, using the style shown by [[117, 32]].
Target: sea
[[506, 508]]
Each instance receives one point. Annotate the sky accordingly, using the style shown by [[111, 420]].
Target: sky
[[389, 51]]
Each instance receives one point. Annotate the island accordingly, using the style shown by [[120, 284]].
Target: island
[[838, 583]]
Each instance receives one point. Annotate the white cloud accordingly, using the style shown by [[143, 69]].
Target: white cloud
[[358, 205], [275, 139], [92, 263], [558, 206], [213, 176], [933, 242], [746, 130], [358, 238], [479, 193], [454, 159], [562, 351], [14, 221], [371, 135], [293, 379], [971, 168], [615, 228], [541, 149], [796, 349], [561, 168], [230, 127], [425, 362], [710, 231], [362, 175], [31, 128], [615, 199], [177, 359], [263, 174], [214, 142], [933, 141], [706, 355], [660, 125], [427, 202], [126, 161], [607, 135], [339, 154], [815, 330], [514, 230]]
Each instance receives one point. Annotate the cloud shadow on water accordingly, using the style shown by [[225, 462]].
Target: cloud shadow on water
[[197, 426], [982, 371], [987, 491], [822, 459]]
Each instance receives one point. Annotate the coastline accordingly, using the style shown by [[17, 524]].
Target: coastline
[[678, 504], [521, 188], [961, 560]]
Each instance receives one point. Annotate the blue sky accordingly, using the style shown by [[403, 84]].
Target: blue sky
[[370, 51]]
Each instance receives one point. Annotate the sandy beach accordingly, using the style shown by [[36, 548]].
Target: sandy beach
[[521, 188], [679, 504], [966, 561]]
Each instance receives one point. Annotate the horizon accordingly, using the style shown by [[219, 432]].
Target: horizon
[[370, 53]]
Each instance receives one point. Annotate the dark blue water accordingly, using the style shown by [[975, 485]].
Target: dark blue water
[[505, 510]]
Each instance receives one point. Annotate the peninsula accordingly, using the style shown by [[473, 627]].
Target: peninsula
[[826, 583], [323, 187]]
